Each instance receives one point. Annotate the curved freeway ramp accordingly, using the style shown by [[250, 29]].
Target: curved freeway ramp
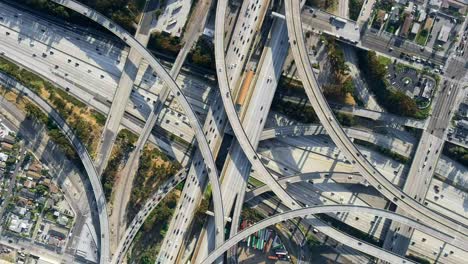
[[337, 134], [170, 83], [395, 145], [349, 177], [144, 212], [359, 245], [245, 144], [85, 159]]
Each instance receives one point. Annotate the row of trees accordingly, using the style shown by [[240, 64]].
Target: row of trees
[[355, 8], [63, 103], [203, 54], [35, 113], [457, 153], [340, 87], [395, 102], [123, 12], [297, 111], [164, 43]]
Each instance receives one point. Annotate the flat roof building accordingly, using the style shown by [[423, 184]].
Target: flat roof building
[[444, 33], [415, 28]]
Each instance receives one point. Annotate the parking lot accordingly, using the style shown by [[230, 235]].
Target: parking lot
[[439, 22], [410, 81]]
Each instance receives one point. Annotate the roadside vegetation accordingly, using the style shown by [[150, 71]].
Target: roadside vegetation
[[123, 145], [154, 168], [251, 214], [418, 259], [291, 100], [383, 151], [350, 230], [457, 153], [126, 13], [355, 8], [340, 87], [149, 238], [344, 119], [164, 43], [35, 113], [203, 54], [395, 102], [329, 5], [199, 217], [86, 123]]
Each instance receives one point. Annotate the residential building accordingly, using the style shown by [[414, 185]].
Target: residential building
[[444, 33], [406, 25]]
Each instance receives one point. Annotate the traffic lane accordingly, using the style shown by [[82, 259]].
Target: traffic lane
[[374, 42], [148, 16], [457, 67], [336, 132], [443, 109], [57, 37]]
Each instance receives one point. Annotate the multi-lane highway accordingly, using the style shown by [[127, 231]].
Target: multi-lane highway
[[306, 212], [396, 145], [124, 88], [253, 112], [338, 136], [166, 78], [144, 212], [170, 249], [85, 158], [242, 138], [430, 147], [82, 79], [132, 165], [315, 177], [247, 120]]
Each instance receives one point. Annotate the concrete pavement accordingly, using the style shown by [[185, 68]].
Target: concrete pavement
[[166, 78], [326, 116], [85, 159], [362, 246]]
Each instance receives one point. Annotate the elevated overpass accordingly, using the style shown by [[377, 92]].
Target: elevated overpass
[[337, 134], [360, 245], [170, 83], [84, 156], [242, 138], [395, 145], [144, 212], [349, 177]]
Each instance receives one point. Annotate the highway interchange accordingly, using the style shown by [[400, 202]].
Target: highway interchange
[[247, 126]]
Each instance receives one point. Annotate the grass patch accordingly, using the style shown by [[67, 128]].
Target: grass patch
[[148, 240], [255, 182], [33, 112], [457, 153], [124, 144], [383, 151], [355, 8], [154, 168], [85, 124], [421, 40], [384, 60]]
